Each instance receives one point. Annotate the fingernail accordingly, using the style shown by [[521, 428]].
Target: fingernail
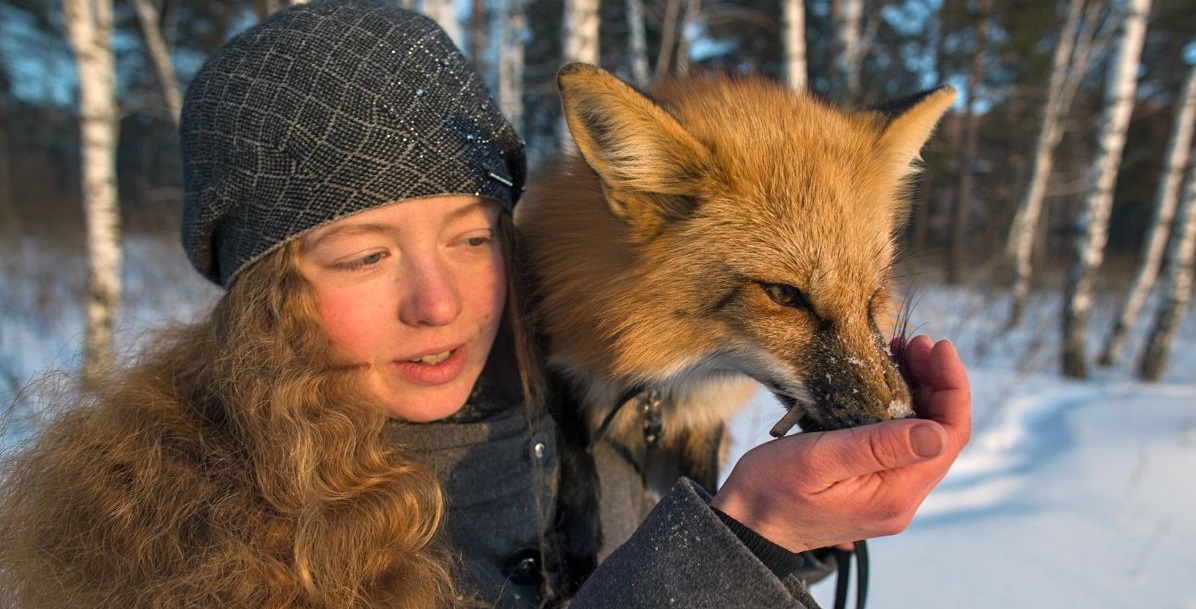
[[926, 441]]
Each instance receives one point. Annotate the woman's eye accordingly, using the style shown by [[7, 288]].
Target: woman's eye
[[786, 296], [362, 262]]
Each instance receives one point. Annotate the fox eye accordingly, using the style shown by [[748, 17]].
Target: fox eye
[[786, 296]]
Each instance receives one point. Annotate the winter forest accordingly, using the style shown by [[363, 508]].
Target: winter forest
[[1052, 234], [1062, 166]]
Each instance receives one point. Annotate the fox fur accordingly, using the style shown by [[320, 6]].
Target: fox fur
[[714, 233]]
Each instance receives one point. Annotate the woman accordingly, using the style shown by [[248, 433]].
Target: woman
[[359, 422]]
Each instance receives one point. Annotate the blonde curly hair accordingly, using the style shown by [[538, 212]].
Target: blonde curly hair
[[235, 463]]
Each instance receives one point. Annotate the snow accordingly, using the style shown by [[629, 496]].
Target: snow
[[1071, 493]]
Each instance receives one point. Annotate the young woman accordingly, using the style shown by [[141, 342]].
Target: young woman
[[360, 420]]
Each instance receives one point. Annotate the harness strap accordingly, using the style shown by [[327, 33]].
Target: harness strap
[[627, 396], [842, 579]]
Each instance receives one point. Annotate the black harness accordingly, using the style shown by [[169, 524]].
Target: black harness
[[650, 405]]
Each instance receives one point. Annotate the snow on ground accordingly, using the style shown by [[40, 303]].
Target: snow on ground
[[1071, 494]]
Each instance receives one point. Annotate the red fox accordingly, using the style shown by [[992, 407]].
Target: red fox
[[715, 233]]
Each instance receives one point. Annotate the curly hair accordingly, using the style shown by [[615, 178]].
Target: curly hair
[[235, 463]]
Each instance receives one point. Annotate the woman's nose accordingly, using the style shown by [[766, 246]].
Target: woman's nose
[[433, 299]]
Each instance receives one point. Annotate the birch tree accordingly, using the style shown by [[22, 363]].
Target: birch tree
[[687, 26], [1080, 40], [513, 24], [444, 13], [1178, 285], [971, 147], [149, 16], [1120, 89], [637, 42], [848, 16], [89, 29], [1179, 149], [794, 33], [580, 31]]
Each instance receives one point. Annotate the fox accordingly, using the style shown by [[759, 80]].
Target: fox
[[710, 235]]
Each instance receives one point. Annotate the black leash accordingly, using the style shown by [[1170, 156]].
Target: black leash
[[842, 579]]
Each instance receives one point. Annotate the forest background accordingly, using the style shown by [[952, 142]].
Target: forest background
[[1035, 78]]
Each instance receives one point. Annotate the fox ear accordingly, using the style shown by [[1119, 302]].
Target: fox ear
[[650, 167], [910, 121]]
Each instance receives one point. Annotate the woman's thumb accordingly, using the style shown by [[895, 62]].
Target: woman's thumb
[[875, 448]]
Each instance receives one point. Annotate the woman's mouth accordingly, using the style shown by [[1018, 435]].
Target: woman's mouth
[[432, 359], [433, 368]]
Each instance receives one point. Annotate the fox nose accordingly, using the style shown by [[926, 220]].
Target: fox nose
[[432, 298]]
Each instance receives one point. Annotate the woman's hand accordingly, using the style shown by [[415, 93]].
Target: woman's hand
[[812, 490]]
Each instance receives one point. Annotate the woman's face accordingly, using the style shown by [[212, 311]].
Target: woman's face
[[413, 291]]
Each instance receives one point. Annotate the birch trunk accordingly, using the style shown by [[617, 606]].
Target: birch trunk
[[794, 34], [1094, 220], [971, 149], [444, 13], [1178, 286], [687, 24], [510, 66], [848, 16], [1025, 223], [1179, 149], [637, 44], [155, 44], [89, 28], [579, 31]]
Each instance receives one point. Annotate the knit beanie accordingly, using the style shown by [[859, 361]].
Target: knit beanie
[[327, 109]]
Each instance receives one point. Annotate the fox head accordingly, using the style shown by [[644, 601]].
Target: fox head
[[721, 226]]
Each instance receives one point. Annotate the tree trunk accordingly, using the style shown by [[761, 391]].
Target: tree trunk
[[579, 30], [794, 34], [159, 53], [477, 35], [1025, 223], [971, 149], [691, 15], [1179, 149], [510, 67], [1098, 200], [444, 12], [668, 37], [89, 26], [848, 15], [637, 44], [1178, 285]]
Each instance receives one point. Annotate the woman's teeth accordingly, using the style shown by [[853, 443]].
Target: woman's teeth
[[433, 359]]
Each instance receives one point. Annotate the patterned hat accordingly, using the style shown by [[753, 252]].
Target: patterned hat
[[327, 109]]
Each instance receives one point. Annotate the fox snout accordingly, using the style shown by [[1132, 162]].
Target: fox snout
[[846, 388]]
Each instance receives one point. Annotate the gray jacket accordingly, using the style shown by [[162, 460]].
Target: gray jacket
[[498, 466]]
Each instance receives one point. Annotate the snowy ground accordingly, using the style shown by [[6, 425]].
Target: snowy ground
[[1071, 494]]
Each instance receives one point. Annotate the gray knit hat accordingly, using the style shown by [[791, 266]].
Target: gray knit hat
[[327, 109]]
